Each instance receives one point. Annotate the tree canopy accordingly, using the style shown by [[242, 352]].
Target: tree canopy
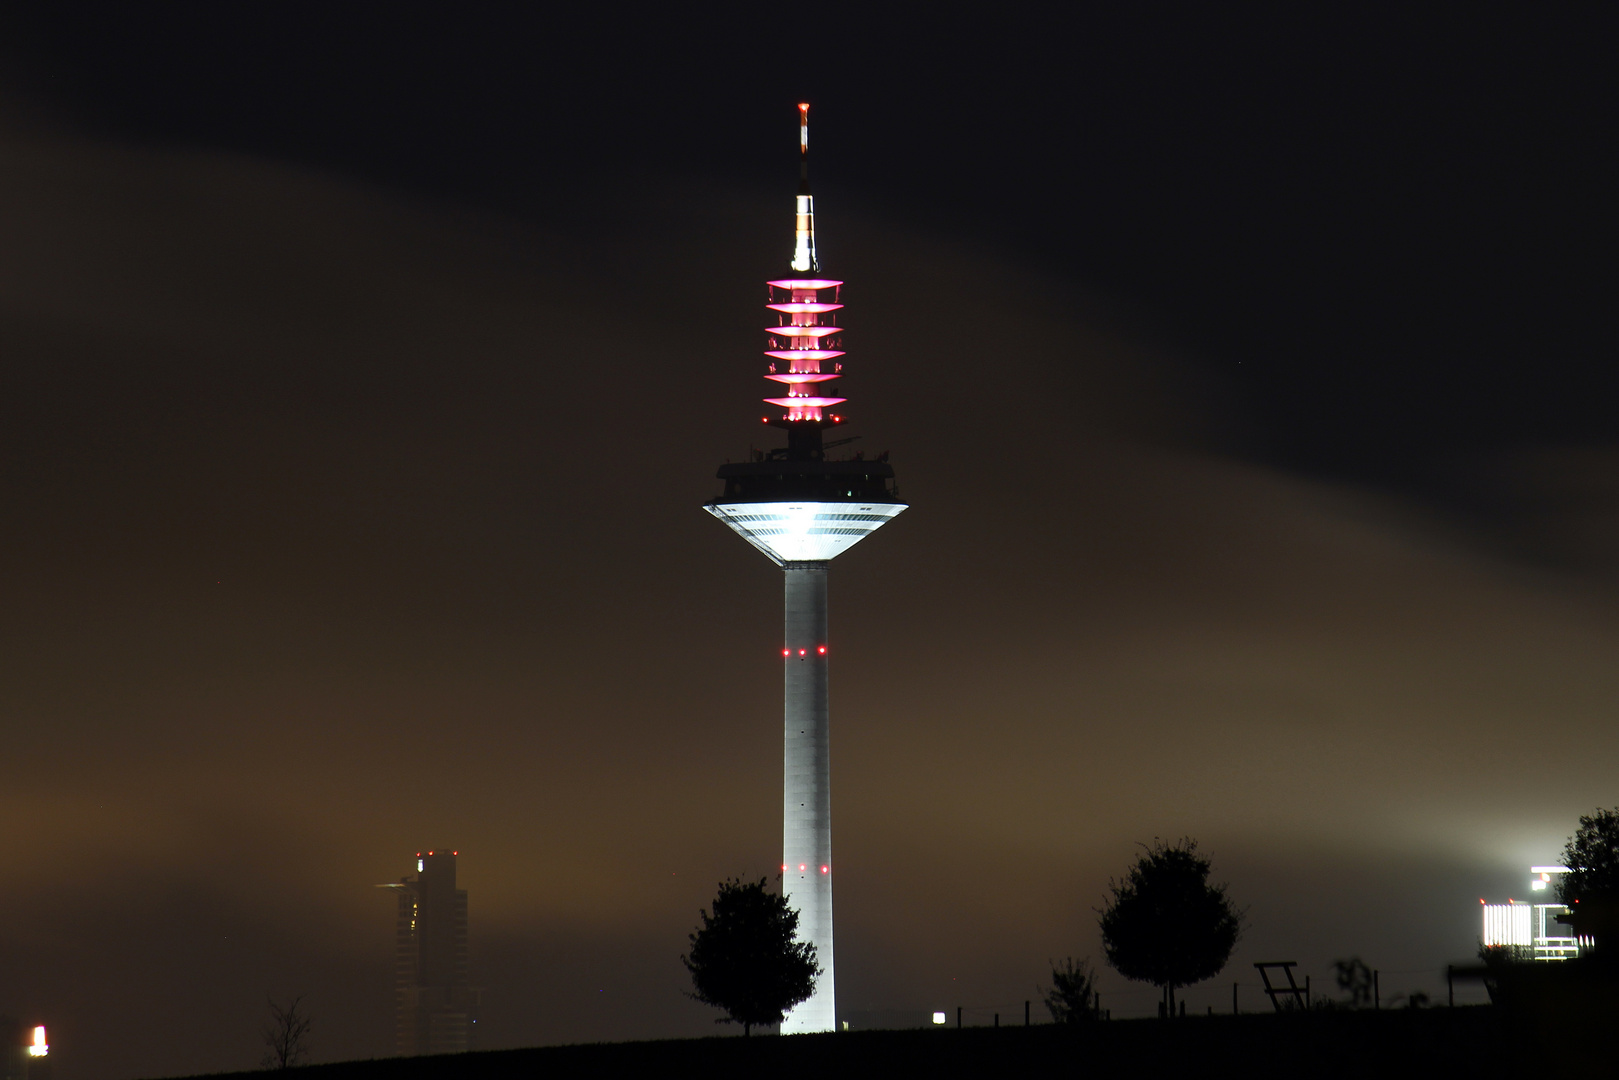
[[1592, 858], [1165, 924], [743, 957], [1591, 886]]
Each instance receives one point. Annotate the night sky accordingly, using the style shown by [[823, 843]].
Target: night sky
[[363, 370]]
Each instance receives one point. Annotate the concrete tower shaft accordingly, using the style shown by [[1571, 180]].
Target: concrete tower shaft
[[806, 798]]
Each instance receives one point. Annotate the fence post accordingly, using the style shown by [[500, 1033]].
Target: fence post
[[1377, 992], [1307, 1005], [997, 1019], [1233, 999], [1450, 984], [958, 1017], [1025, 1013]]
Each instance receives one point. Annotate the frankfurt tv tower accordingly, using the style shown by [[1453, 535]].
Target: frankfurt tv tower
[[803, 509]]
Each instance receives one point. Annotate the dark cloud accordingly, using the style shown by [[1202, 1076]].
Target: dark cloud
[[335, 524]]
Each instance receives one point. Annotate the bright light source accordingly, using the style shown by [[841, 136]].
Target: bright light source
[[823, 869], [786, 652], [1537, 884], [821, 650], [1507, 924], [38, 1048], [801, 866], [420, 866], [802, 652], [806, 531], [938, 1018]]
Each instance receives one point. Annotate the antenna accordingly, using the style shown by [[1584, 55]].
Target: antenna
[[804, 260]]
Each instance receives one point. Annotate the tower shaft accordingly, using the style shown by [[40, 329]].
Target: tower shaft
[[807, 784]]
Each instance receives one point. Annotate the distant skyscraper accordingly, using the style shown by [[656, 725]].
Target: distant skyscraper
[[26, 1053], [435, 1005], [802, 509]]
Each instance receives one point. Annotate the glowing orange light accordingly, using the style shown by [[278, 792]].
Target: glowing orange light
[[803, 106]]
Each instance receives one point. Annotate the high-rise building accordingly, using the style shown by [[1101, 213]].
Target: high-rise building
[[436, 1006], [26, 1053], [802, 508]]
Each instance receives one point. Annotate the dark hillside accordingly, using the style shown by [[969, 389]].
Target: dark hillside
[[1468, 1042]]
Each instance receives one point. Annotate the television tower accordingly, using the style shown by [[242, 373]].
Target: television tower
[[802, 509]]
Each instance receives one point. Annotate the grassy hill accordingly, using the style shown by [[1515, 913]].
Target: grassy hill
[[1469, 1042]]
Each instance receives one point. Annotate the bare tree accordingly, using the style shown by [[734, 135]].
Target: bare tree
[[1355, 978], [286, 1034]]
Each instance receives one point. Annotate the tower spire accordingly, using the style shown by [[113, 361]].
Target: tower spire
[[804, 260]]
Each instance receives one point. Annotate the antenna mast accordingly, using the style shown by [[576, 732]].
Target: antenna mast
[[804, 260]]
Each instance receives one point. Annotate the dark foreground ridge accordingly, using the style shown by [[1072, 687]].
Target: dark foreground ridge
[[1469, 1042]]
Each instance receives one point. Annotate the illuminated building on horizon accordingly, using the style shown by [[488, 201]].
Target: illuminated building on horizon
[[802, 509], [434, 1004], [1523, 924], [27, 1055]]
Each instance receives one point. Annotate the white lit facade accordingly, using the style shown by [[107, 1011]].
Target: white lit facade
[[1531, 925]]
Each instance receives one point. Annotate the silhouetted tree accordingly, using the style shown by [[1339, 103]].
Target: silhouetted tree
[[286, 1035], [744, 960], [1072, 997], [1355, 979], [1591, 887], [1592, 858], [1165, 923]]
